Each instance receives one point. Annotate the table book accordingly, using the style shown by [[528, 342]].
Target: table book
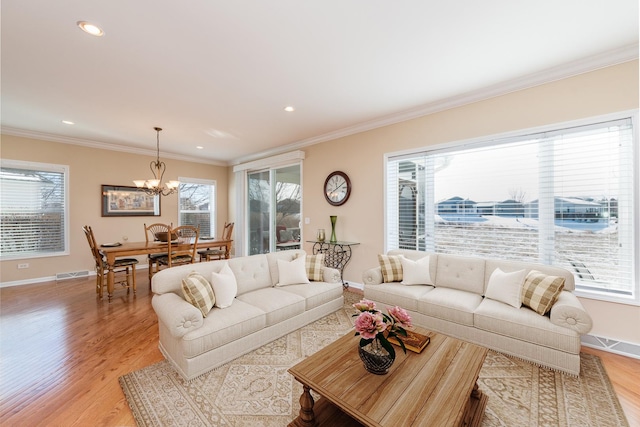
[[413, 341]]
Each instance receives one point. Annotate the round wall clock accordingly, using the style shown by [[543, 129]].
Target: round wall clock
[[337, 188]]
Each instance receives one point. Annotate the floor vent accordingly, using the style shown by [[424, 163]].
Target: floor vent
[[72, 275], [613, 346]]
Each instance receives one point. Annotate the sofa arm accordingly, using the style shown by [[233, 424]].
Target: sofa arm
[[330, 275], [176, 314], [569, 313], [372, 276]]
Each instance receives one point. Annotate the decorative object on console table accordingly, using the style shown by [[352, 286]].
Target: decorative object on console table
[[376, 329], [337, 254], [320, 235], [333, 229]]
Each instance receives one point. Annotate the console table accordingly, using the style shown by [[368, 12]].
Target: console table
[[336, 254]]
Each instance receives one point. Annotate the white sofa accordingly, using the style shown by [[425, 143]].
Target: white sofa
[[456, 305], [260, 313]]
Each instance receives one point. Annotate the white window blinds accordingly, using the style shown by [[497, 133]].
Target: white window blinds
[[33, 205], [563, 197], [197, 205]]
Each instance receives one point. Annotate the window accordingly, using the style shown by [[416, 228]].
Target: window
[[563, 197], [197, 204], [33, 205], [274, 198]]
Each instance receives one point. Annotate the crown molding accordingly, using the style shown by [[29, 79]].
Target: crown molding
[[102, 146], [582, 66]]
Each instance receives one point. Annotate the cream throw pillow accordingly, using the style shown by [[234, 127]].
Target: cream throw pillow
[[506, 287], [415, 272], [292, 272], [391, 268], [225, 286], [197, 291], [540, 291]]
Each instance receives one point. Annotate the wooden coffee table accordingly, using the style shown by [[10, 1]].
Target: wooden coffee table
[[436, 387]]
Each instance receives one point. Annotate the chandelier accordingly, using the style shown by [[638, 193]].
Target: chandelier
[[155, 187]]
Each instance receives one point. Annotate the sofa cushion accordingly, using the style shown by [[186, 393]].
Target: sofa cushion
[[391, 268], [198, 292], [526, 325], [506, 287], [252, 272], [397, 294], [541, 291], [416, 272], [277, 305], [316, 294], [459, 272], [450, 304], [292, 272], [222, 326], [224, 286]]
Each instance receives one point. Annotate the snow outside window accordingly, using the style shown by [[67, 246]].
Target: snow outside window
[[563, 197]]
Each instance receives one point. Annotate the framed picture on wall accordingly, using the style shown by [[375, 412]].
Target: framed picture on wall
[[118, 200]]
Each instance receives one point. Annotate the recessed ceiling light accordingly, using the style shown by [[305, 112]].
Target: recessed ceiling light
[[200, 147], [90, 28], [289, 109], [68, 122]]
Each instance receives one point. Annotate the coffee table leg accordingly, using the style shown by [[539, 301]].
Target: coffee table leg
[[306, 418]]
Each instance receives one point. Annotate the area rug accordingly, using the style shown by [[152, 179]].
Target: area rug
[[256, 390]]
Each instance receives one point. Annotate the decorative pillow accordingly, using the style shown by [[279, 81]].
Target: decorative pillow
[[314, 264], [506, 287], [198, 292], [391, 268], [415, 272], [225, 286], [540, 291], [292, 272]]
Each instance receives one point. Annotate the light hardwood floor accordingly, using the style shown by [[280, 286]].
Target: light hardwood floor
[[62, 351]]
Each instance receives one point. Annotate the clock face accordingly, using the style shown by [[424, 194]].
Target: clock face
[[337, 188]]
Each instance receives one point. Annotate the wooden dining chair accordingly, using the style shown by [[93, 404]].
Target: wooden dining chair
[[153, 233], [219, 253], [183, 249], [122, 265]]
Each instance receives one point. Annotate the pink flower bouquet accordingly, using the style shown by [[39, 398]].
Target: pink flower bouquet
[[373, 325]]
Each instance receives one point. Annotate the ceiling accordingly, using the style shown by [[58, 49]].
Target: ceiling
[[218, 74]]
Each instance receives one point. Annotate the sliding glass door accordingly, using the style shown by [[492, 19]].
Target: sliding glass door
[[274, 200]]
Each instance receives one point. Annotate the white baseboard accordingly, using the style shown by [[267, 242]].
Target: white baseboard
[[59, 277]]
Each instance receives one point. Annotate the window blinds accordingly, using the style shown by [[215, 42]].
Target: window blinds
[[563, 197], [33, 210]]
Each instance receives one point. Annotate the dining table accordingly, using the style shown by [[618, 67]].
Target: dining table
[[111, 251]]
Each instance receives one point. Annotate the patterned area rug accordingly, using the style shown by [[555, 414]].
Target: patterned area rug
[[256, 390]]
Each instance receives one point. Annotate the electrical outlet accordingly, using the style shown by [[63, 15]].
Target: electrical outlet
[[25, 265]]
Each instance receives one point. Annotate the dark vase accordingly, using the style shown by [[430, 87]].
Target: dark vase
[[375, 358]]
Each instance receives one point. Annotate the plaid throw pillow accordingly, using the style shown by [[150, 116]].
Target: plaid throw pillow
[[540, 291], [391, 268], [198, 292], [314, 264]]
